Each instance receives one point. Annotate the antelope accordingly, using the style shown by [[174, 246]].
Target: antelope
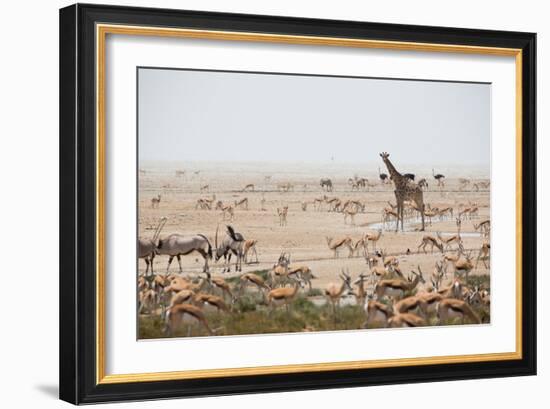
[[406, 320], [387, 215], [242, 203], [430, 214], [429, 240], [451, 308], [410, 304], [202, 204], [282, 215], [463, 266], [250, 246], [249, 187], [180, 173], [176, 245], [445, 212], [175, 315], [388, 260], [483, 227], [279, 274], [178, 284], [304, 206], [318, 202], [285, 186], [155, 202], [334, 204], [361, 243], [303, 272], [147, 299], [446, 242], [373, 238], [377, 314], [227, 210], [484, 254], [251, 278], [212, 300], [180, 297], [350, 212], [283, 296], [361, 293], [220, 284], [333, 292], [396, 288], [463, 183], [232, 244], [438, 274], [379, 272], [336, 244], [456, 290], [429, 302], [204, 188]]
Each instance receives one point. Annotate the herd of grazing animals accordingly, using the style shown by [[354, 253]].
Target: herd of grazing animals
[[385, 293]]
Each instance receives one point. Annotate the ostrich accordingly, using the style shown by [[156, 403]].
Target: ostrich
[[439, 177], [383, 176]]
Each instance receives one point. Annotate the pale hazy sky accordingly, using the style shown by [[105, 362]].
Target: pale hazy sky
[[214, 116]]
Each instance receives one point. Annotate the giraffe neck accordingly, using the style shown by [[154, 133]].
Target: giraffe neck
[[393, 172]]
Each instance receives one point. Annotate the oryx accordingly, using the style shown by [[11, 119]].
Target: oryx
[[147, 248], [232, 243], [176, 245]]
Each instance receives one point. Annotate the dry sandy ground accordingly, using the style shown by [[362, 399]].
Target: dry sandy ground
[[304, 237]]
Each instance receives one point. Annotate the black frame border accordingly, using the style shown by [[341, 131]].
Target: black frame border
[[77, 255]]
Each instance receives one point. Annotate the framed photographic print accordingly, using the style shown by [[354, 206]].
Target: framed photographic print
[[257, 203]]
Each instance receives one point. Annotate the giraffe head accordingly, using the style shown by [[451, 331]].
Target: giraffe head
[[384, 155]]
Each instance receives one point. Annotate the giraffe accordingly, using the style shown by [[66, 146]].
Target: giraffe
[[404, 190]]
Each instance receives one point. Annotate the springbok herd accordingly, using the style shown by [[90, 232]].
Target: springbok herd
[[398, 249]]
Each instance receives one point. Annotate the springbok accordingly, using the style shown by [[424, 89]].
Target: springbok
[[212, 300], [337, 244], [176, 245], [283, 296], [254, 279], [282, 215], [249, 246], [227, 210], [232, 244], [243, 203], [484, 254], [361, 293], [374, 238], [396, 288], [303, 272], [350, 212], [334, 292], [483, 227], [447, 242], [220, 284], [378, 314], [406, 320], [450, 308], [204, 188], [175, 315], [429, 240], [155, 202]]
